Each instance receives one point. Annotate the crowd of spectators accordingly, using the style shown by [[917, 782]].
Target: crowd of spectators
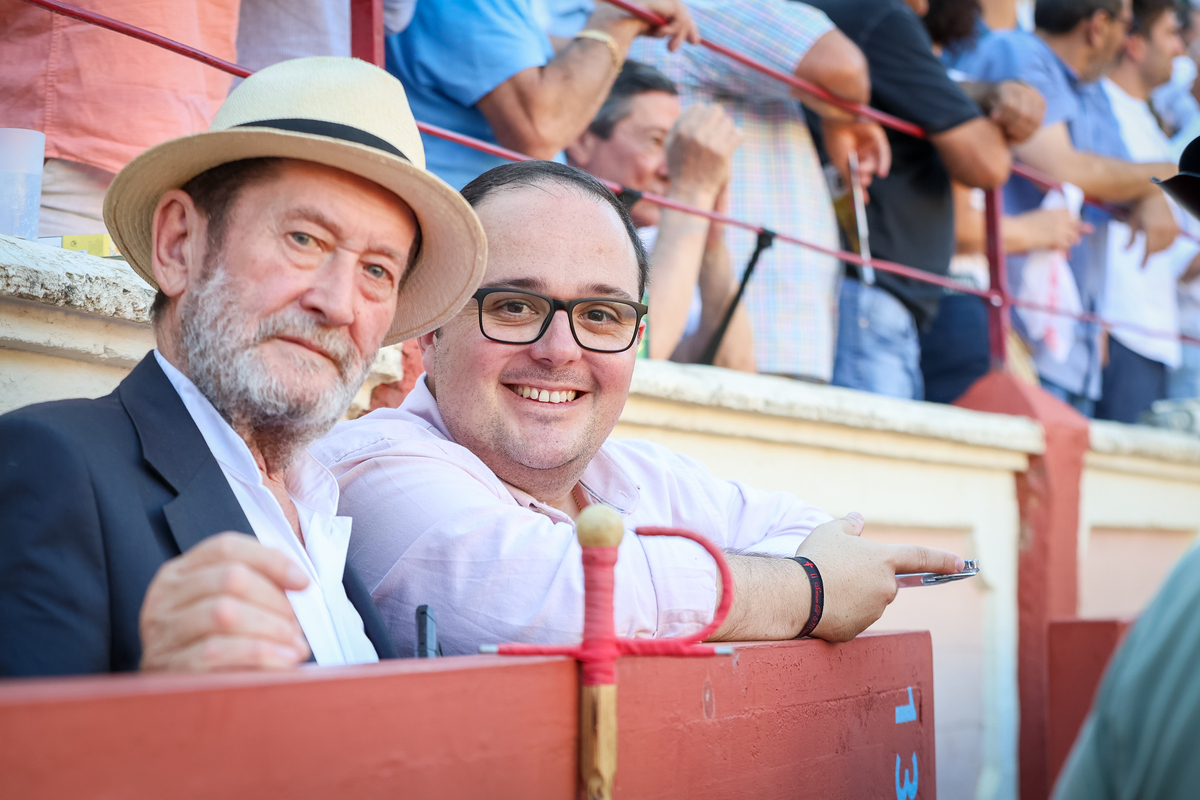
[[1099, 95]]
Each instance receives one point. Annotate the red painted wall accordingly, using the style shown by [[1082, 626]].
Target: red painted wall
[[781, 719], [1047, 557], [1079, 651]]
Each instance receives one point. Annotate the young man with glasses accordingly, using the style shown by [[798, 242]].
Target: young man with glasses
[[464, 497]]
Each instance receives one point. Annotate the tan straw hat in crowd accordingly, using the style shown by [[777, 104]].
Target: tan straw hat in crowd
[[340, 112]]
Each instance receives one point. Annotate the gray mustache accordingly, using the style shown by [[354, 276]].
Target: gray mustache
[[297, 324]]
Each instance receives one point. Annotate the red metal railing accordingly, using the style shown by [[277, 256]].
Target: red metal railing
[[367, 43]]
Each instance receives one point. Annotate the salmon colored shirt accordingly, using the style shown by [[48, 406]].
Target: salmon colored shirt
[[101, 97]]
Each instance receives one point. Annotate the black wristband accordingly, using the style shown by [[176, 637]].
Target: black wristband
[[818, 595]]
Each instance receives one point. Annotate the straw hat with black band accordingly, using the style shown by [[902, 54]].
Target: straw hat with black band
[[1184, 188], [339, 112]]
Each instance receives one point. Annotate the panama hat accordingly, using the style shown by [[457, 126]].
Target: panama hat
[[342, 113], [1184, 188]]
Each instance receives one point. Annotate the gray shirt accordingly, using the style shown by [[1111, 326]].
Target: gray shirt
[[1142, 737]]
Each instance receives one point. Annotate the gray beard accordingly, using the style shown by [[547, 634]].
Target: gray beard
[[221, 357]]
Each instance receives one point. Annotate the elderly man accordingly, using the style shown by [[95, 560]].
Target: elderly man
[[641, 140], [179, 523], [463, 498]]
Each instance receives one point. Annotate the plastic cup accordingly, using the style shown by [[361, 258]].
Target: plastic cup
[[22, 153]]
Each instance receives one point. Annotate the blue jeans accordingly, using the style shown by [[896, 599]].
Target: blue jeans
[[877, 349], [1132, 383], [1081, 403]]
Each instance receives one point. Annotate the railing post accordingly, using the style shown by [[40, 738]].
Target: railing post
[[366, 30], [998, 312]]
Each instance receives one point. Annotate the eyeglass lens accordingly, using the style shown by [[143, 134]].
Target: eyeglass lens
[[517, 318]]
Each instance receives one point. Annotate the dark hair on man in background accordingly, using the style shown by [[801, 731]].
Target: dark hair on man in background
[[537, 173], [1146, 14], [952, 24], [1061, 16], [215, 193], [635, 78]]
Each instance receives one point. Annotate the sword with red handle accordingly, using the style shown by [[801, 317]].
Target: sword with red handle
[[600, 531]]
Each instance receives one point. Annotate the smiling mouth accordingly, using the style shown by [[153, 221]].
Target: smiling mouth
[[552, 396]]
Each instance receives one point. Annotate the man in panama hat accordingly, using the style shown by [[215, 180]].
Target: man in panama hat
[[180, 523]]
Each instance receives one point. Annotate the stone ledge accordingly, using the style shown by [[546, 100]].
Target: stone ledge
[[781, 397], [68, 279], [1117, 439]]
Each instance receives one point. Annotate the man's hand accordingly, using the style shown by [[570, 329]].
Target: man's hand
[[700, 151], [1153, 216], [1017, 108], [680, 26], [220, 606], [866, 139], [1052, 229], [860, 575]]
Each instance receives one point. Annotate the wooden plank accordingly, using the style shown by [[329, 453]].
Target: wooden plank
[[414, 729], [779, 719]]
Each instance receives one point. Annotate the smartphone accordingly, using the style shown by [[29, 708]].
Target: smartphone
[[970, 569]]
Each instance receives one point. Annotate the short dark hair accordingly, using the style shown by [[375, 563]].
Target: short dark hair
[[635, 78], [952, 23], [1061, 16], [216, 191], [537, 173], [1146, 14]]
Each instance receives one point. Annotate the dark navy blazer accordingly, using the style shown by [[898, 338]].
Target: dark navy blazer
[[94, 496]]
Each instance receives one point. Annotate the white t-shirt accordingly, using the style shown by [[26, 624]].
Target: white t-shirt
[[1144, 296]]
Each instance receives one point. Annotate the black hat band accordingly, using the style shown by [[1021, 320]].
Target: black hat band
[[333, 130]]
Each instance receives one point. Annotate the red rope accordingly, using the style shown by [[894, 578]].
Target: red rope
[[995, 296]]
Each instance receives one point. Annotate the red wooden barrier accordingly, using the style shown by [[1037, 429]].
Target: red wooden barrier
[[780, 719], [1079, 652]]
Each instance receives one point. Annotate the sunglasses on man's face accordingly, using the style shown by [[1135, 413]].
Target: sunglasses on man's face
[[599, 324]]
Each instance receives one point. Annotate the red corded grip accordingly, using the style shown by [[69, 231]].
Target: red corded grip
[[726, 582], [598, 653]]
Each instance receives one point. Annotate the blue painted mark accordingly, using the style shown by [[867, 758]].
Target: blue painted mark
[[907, 790], [907, 713]]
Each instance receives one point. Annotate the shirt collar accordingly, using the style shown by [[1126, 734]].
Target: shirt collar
[[308, 481], [604, 479]]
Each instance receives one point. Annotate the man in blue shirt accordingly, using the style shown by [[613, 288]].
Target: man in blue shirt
[[488, 69], [1079, 142]]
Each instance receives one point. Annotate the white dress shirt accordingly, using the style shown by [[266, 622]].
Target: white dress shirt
[[331, 623], [433, 525]]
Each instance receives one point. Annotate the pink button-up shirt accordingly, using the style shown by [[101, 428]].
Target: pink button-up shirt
[[433, 525], [102, 98]]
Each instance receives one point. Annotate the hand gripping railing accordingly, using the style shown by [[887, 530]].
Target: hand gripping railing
[[367, 30], [600, 531]]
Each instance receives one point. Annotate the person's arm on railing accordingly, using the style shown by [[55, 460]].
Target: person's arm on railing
[[699, 152], [1108, 179], [540, 110], [1042, 229], [1015, 106], [772, 596], [837, 65], [718, 286], [975, 153]]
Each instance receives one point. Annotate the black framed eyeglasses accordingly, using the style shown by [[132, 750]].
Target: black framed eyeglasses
[[599, 324]]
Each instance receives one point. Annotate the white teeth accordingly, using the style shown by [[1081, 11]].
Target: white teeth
[[545, 395]]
